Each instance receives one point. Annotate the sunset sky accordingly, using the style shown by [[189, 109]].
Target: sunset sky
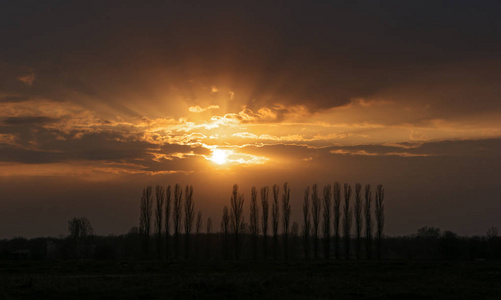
[[100, 98]]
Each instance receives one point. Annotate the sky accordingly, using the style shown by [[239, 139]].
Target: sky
[[99, 99]]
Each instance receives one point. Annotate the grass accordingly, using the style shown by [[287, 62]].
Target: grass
[[250, 280]]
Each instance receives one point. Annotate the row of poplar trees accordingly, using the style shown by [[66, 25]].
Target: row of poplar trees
[[333, 209]]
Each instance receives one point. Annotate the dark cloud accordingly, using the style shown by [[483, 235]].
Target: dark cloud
[[318, 54], [14, 99], [26, 121]]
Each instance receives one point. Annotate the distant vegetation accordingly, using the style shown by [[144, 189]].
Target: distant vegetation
[[352, 238]]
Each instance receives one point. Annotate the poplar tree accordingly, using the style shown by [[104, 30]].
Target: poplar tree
[[316, 208], [347, 220]]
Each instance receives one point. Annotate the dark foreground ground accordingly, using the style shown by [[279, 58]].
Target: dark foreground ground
[[250, 280]]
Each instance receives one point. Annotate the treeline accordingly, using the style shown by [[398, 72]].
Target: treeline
[[270, 232], [444, 246], [337, 222]]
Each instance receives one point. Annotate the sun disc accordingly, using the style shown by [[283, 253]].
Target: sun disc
[[219, 156]]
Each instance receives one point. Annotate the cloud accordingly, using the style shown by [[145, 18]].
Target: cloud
[[365, 153], [27, 79], [14, 99], [199, 109]]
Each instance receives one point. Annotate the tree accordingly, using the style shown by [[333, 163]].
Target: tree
[[208, 239], [198, 231], [337, 208], [358, 218], [316, 206], [79, 229], [254, 221], [306, 223], [159, 210], [237, 205], [429, 237], [368, 221], [264, 226], [294, 233], [379, 218], [225, 228], [145, 218], [178, 196], [275, 219], [327, 221], [347, 219], [189, 216], [167, 221], [286, 210]]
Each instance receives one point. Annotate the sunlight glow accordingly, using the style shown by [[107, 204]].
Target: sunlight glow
[[220, 156]]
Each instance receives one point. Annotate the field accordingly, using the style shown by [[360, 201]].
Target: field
[[250, 280]]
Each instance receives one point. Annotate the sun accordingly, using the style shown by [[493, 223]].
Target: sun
[[219, 156]]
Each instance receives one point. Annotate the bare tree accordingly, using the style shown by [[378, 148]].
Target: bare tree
[[327, 221], [286, 210], [225, 228], [254, 221], [358, 218], [198, 230], [347, 219], [208, 239], [178, 196], [316, 208], [337, 208], [145, 218], [306, 223], [167, 221], [79, 229], [379, 218], [189, 216], [275, 219], [237, 205], [264, 226], [368, 221], [294, 238], [159, 211]]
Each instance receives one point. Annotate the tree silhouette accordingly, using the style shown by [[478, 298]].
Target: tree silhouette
[[286, 210], [358, 218], [264, 226], [275, 219], [198, 231], [79, 229], [178, 195], [379, 218], [225, 228], [237, 205], [159, 210], [294, 233], [208, 239], [368, 221], [167, 221], [306, 223], [327, 221], [145, 218], [189, 215], [316, 207], [337, 208], [254, 221], [347, 219]]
